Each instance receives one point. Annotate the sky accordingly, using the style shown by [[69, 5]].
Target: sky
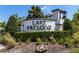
[[22, 10]]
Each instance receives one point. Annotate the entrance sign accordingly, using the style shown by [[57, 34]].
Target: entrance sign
[[57, 17], [38, 25]]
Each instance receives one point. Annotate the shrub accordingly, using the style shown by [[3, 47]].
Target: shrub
[[19, 41], [39, 41], [61, 37], [1, 41], [61, 41], [46, 43], [28, 41], [52, 40], [8, 39], [43, 35], [75, 36], [69, 42]]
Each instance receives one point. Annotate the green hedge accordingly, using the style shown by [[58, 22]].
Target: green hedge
[[24, 36]]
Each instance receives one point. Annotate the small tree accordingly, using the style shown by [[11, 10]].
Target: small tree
[[12, 24], [2, 26]]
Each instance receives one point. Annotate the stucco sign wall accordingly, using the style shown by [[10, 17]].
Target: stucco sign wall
[[39, 25]]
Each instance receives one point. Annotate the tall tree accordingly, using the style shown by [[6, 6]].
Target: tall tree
[[67, 25], [76, 16], [12, 24], [75, 20], [35, 12]]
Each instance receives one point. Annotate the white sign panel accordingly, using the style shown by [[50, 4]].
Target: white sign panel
[[38, 25]]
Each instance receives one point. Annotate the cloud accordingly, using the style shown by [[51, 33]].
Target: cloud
[[43, 8]]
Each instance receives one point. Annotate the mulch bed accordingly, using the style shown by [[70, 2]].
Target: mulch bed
[[30, 48]]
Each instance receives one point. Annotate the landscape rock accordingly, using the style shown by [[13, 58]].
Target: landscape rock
[[41, 48], [2, 47]]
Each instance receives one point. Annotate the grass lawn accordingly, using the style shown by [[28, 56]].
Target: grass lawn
[[75, 50]]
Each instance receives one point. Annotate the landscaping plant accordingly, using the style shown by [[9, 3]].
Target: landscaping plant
[[8, 39]]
